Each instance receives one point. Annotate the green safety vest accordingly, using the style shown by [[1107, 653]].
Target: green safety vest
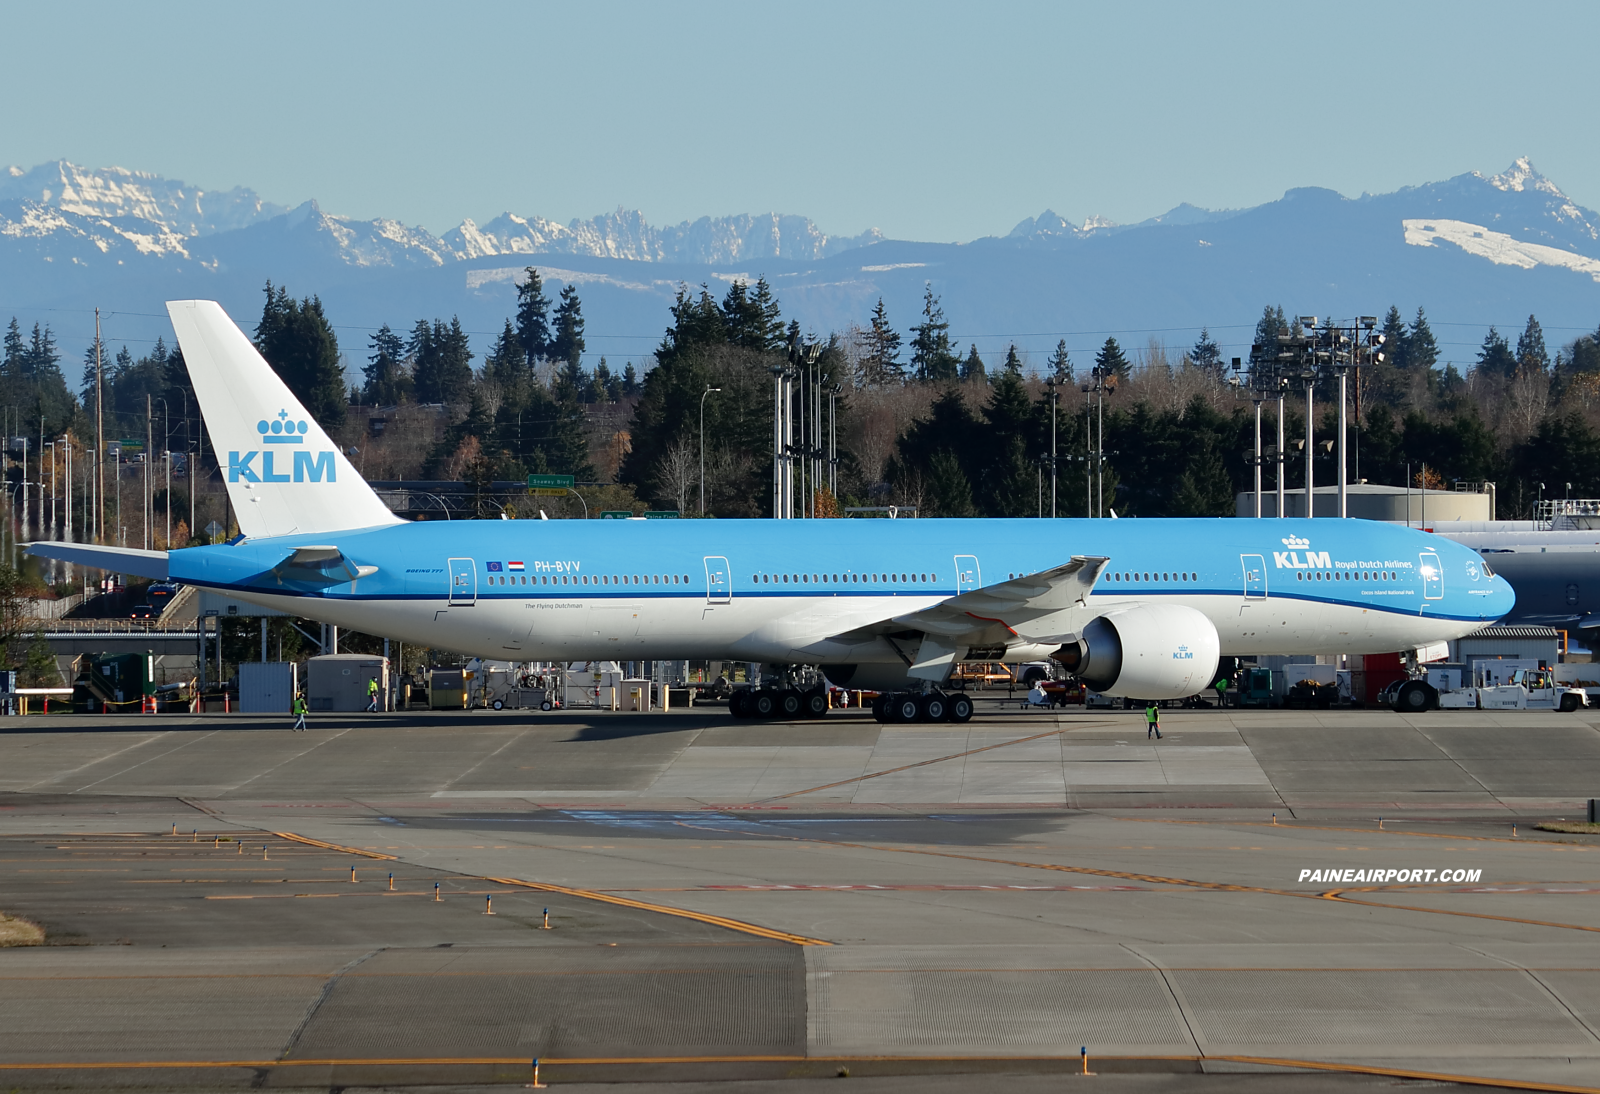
[[1150, 713]]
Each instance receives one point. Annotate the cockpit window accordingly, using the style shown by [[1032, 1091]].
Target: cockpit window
[[1487, 570]]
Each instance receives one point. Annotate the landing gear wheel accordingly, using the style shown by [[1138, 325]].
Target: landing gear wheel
[[738, 705], [880, 710], [762, 705], [933, 707], [789, 703], [1415, 697], [906, 708], [960, 709], [816, 704]]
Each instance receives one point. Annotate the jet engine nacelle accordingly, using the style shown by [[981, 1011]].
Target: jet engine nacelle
[[1152, 651]]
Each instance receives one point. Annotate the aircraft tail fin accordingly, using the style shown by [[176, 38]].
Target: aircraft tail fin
[[284, 474]]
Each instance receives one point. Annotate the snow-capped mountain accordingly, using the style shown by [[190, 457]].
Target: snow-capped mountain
[[111, 209], [1474, 250]]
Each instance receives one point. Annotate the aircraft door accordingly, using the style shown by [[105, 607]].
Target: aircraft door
[[1255, 576], [719, 583], [463, 582], [968, 576], [1432, 577]]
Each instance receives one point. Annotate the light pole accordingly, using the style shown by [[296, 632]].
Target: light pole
[[166, 455], [709, 389], [1051, 383], [833, 441]]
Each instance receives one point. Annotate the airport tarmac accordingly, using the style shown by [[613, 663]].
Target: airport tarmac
[[755, 901]]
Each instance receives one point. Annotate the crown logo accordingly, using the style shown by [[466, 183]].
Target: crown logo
[[280, 430], [1295, 542]]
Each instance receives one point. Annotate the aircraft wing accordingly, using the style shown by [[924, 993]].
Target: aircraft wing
[[1040, 607]]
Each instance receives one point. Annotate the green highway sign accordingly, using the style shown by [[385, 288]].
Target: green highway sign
[[550, 482], [616, 514], [661, 514]]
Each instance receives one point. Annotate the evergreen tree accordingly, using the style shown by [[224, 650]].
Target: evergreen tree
[[949, 493], [880, 358], [1422, 352], [533, 318], [931, 357], [752, 320], [1111, 362], [1006, 471], [1531, 354], [771, 324], [630, 380], [1495, 356], [696, 321], [506, 364], [1206, 353], [441, 362], [298, 342], [1271, 324], [1396, 351], [1013, 363], [14, 349], [1061, 364], [972, 368], [385, 370], [567, 344], [607, 384]]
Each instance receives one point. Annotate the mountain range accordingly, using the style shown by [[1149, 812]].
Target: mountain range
[[1473, 250]]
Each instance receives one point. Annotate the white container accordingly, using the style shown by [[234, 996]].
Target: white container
[[338, 682], [267, 687]]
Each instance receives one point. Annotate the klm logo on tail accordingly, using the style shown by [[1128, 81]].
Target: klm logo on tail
[[308, 466]]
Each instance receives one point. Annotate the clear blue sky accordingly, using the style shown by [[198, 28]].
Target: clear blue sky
[[930, 120]]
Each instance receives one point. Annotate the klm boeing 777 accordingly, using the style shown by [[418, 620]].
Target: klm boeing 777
[[1138, 608]]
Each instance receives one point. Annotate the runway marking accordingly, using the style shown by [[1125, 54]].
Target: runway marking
[[1295, 826], [98, 759], [923, 763], [290, 760], [824, 1061], [702, 917], [335, 846], [1190, 883], [141, 763]]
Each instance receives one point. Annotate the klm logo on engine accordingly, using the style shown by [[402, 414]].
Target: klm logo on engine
[[307, 466], [1183, 653], [1290, 559]]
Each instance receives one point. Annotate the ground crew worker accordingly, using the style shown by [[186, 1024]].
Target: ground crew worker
[[299, 709], [372, 695], [1222, 692], [1152, 717]]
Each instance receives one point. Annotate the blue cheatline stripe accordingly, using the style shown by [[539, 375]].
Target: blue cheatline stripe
[[791, 594]]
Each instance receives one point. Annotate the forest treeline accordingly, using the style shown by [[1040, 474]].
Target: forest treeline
[[920, 421]]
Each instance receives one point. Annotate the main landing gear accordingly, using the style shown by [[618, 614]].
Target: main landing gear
[[931, 706], [753, 704]]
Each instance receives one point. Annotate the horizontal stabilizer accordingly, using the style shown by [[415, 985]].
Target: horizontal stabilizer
[[116, 560]]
